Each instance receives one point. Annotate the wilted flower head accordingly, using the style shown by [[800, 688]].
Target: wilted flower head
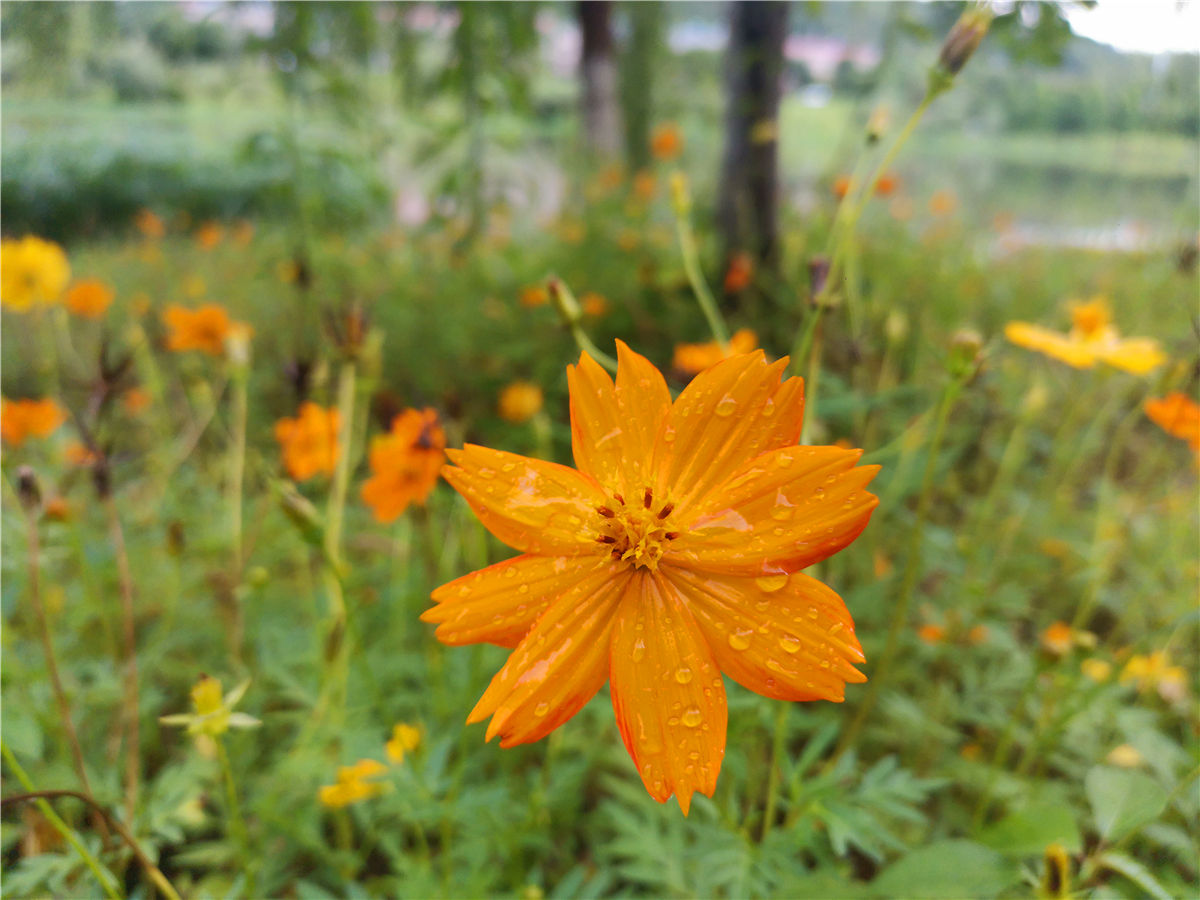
[[404, 464], [671, 555], [310, 441], [33, 272], [21, 419]]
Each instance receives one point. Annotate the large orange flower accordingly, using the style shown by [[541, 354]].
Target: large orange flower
[[672, 554], [21, 419], [405, 464], [1178, 415], [205, 328]]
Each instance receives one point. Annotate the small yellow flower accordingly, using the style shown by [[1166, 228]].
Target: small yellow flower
[[1126, 756], [1156, 672], [213, 714], [353, 784], [32, 272], [1092, 339], [520, 401], [405, 739], [1098, 670]]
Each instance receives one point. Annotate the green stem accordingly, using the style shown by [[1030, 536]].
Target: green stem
[[237, 824], [812, 379], [237, 474], [781, 714], [912, 571], [106, 879], [691, 266]]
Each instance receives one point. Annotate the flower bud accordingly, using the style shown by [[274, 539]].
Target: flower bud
[[958, 47], [877, 124], [1056, 880], [28, 489], [564, 301], [966, 352], [818, 274]]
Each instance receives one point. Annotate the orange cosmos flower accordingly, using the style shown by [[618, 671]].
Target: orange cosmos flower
[[1092, 338], [667, 142], [644, 185], [78, 454], [886, 184], [135, 400], [205, 328], [942, 203], [1058, 639], [405, 464], [520, 401], [309, 441], [1178, 415], [89, 298], [672, 554], [931, 633], [21, 419], [534, 295], [692, 358], [740, 273], [209, 235], [594, 304], [841, 186], [150, 225]]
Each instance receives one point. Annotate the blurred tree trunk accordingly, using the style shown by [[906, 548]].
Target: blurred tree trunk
[[637, 79], [748, 206], [598, 71]]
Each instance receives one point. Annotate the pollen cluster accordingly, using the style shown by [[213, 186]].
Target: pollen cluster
[[636, 532]]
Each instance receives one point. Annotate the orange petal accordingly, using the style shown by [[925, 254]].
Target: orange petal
[[534, 506], [558, 666], [1051, 343], [780, 512], [667, 693], [613, 427], [784, 636], [726, 416], [501, 603]]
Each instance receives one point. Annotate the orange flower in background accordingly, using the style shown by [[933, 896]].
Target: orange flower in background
[[135, 400], [57, 509], [1178, 415], [886, 185], [89, 298], [209, 235], [310, 441], [205, 328], [405, 464], [33, 272], [672, 554], [594, 305], [644, 185], [534, 295], [740, 273], [667, 141], [942, 203], [841, 186], [150, 225], [520, 402], [1058, 639], [692, 358], [21, 419], [77, 454], [1092, 339], [931, 633]]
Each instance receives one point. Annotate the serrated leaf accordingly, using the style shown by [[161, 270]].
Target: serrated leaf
[[1029, 831], [1122, 801], [947, 869]]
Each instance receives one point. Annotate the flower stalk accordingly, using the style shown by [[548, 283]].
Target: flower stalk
[[237, 824], [681, 201]]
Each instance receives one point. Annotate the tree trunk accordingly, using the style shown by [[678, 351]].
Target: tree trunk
[[598, 71], [638, 64], [748, 207]]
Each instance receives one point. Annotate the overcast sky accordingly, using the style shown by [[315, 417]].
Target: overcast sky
[[1146, 26]]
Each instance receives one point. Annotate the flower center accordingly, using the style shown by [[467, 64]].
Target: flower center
[[1090, 320], [636, 532]]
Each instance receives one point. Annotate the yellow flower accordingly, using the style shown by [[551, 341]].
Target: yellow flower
[[32, 272], [405, 739], [1092, 339], [1126, 756], [1098, 670], [520, 401], [213, 714], [353, 784], [1156, 672], [692, 358]]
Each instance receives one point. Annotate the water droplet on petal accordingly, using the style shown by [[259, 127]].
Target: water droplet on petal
[[692, 717], [639, 650], [835, 627], [771, 583], [523, 589], [541, 709], [725, 407], [683, 674], [790, 643], [669, 434], [783, 460], [740, 639], [673, 721]]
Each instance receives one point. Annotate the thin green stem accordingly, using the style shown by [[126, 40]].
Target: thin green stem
[[691, 266], [781, 714], [107, 882], [912, 571], [237, 824], [237, 474]]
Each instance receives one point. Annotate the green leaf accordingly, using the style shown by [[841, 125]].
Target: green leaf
[[1122, 801], [947, 869], [1029, 831], [1135, 872]]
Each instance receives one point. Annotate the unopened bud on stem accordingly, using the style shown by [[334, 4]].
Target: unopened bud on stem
[[564, 301], [28, 489], [959, 46]]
